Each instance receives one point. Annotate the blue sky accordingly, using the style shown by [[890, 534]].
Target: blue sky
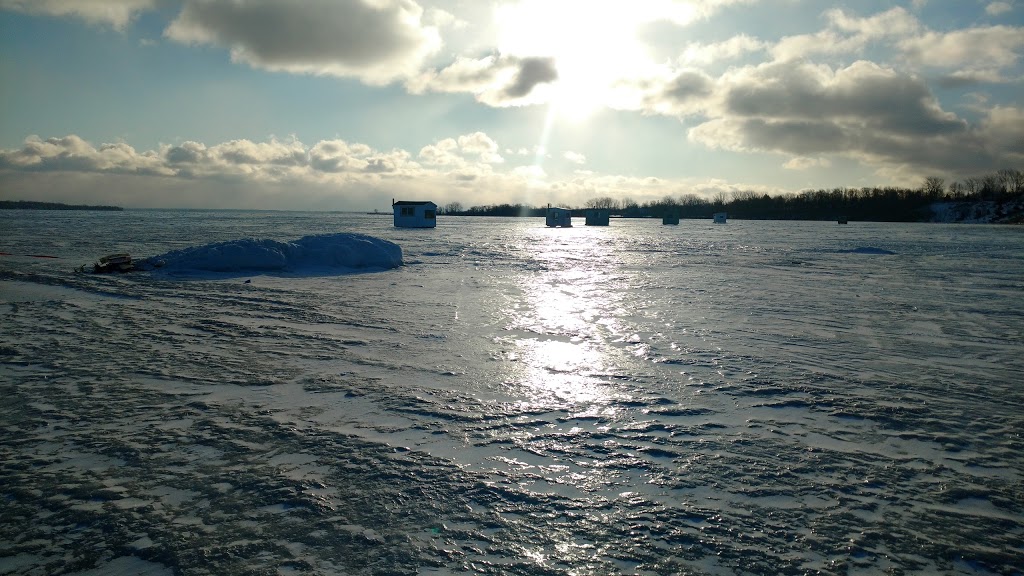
[[344, 105]]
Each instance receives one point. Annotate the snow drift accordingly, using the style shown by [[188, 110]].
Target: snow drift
[[335, 252]]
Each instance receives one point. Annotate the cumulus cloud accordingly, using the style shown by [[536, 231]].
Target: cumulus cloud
[[377, 41], [864, 111], [72, 153], [997, 8], [847, 34], [730, 49], [863, 94], [476, 148], [575, 157], [495, 80], [115, 13], [994, 46], [329, 175]]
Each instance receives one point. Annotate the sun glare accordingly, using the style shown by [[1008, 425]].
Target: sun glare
[[593, 42]]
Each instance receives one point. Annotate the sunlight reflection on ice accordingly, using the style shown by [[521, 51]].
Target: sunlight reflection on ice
[[562, 353]]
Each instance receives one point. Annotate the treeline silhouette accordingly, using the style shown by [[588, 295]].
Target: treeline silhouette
[[880, 204], [30, 205]]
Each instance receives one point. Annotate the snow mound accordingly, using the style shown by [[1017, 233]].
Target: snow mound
[[335, 252]]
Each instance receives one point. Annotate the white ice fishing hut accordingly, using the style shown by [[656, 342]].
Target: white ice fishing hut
[[719, 217], [559, 217], [597, 217], [409, 214]]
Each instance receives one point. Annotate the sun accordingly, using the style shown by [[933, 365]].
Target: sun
[[593, 42]]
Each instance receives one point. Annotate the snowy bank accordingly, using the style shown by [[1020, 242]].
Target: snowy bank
[[311, 254], [985, 212]]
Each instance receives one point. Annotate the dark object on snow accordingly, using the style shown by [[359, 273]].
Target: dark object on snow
[[114, 263]]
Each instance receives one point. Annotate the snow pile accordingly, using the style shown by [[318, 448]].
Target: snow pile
[[311, 253]]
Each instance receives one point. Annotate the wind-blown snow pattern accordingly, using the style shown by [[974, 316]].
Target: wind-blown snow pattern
[[310, 254], [762, 398]]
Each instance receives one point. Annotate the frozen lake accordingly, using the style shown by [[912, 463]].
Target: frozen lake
[[747, 398]]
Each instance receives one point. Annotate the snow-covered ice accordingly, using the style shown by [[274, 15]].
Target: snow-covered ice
[[758, 398]]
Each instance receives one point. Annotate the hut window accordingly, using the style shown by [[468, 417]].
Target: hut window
[[428, 214], [408, 211]]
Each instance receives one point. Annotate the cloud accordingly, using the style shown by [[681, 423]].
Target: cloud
[[115, 13], [863, 95], [377, 41], [1003, 128], [575, 157], [962, 78], [997, 8], [531, 72], [495, 80], [340, 157], [847, 34], [805, 163], [994, 46], [329, 175], [670, 92], [896, 22], [482, 146], [730, 49], [864, 111], [72, 153], [469, 148]]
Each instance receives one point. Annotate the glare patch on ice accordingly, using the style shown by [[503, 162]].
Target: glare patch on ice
[[561, 373]]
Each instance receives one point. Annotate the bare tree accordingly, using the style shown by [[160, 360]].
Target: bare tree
[[744, 195], [1013, 180], [604, 202], [452, 207], [934, 186], [957, 190], [973, 185]]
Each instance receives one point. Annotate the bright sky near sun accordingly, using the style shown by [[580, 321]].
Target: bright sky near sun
[[346, 104]]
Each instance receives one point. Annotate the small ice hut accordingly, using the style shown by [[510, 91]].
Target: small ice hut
[[719, 217], [409, 214], [597, 217], [672, 219], [559, 217]]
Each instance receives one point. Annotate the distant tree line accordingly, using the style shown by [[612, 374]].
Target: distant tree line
[[882, 204], [30, 205]]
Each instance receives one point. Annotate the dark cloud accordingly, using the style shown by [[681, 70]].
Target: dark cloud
[[862, 93], [532, 71], [377, 41], [800, 137], [875, 115], [688, 85], [496, 80]]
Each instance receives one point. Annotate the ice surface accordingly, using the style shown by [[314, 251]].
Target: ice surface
[[637, 399], [310, 254]]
